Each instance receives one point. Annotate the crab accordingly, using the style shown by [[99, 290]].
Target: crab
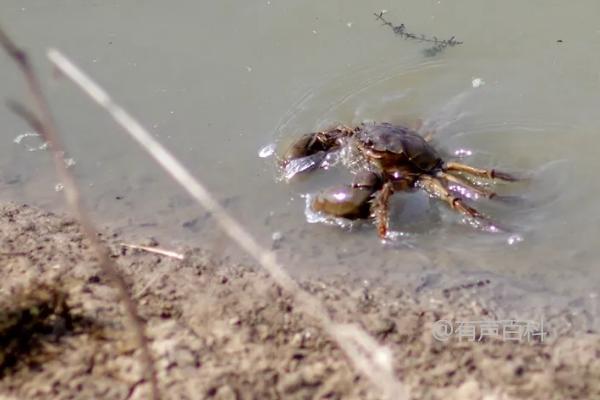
[[385, 159]]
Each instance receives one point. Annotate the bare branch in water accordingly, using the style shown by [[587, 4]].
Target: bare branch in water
[[400, 30], [42, 122], [368, 357]]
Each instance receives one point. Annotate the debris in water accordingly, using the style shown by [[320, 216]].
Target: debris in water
[[400, 30]]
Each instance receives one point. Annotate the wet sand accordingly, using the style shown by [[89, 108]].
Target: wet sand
[[226, 331]]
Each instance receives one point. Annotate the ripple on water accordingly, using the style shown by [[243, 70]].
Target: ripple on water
[[532, 250]]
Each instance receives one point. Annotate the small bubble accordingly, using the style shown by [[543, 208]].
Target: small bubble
[[248, 68], [267, 151], [314, 32], [20, 138], [463, 153], [514, 239], [349, 24], [477, 82], [59, 187], [69, 162], [23, 139], [277, 236]]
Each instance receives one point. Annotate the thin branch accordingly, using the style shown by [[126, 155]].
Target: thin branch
[[42, 121], [368, 357]]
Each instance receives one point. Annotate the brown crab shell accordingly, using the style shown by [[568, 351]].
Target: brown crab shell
[[392, 145]]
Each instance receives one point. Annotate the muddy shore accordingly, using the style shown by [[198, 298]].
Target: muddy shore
[[226, 331]]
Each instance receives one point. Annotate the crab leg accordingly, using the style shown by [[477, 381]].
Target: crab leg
[[434, 187], [483, 173], [488, 194], [380, 208]]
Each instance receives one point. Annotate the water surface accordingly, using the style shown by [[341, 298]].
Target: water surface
[[216, 81]]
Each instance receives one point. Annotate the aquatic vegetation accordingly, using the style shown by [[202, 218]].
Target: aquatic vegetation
[[437, 45]]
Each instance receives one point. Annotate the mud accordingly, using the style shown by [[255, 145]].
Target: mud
[[221, 330]]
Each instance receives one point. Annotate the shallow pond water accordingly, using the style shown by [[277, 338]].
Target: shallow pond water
[[215, 82]]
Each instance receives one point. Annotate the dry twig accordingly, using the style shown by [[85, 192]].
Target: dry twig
[[155, 250], [42, 121], [371, 359]]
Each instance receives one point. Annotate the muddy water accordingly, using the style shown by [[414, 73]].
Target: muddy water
[[217, 82]]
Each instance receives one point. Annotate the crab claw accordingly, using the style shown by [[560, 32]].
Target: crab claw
[[303, 164], [343, 201], [313, 143], [304, 146]]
